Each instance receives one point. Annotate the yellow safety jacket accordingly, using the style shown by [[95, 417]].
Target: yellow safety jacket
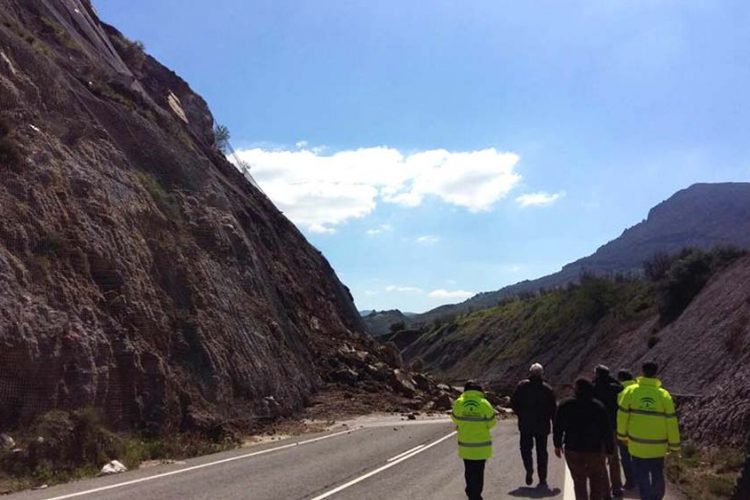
[[474, 416], [646, 419]]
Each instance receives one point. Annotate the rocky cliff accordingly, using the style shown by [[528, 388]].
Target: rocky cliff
[[140, 273]]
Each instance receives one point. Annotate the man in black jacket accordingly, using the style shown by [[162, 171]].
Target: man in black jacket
[[534, 402], [606, 390], [582, 427]]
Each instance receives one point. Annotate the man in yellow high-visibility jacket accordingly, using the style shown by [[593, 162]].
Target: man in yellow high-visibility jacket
[[647, 421], [474, 416]]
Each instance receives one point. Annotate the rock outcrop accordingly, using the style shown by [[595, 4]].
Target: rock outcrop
[[140, 272]]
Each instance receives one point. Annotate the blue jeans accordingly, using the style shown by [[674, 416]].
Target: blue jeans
[[649, 475], [625, 460]]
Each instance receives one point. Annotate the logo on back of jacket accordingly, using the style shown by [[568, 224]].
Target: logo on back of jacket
[[647, 403], [471, 406]]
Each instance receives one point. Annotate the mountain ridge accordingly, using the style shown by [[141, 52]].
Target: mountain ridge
[[665, 229]]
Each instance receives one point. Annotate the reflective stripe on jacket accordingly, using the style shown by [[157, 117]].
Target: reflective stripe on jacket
[[646, 419], [474, 417]]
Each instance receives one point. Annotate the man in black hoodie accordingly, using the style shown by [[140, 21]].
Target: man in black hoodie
[[582, 427], [534, 402], [606, 390]]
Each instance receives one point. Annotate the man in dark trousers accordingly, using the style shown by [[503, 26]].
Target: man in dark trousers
[[583, 430], [474, 417], [607, 390], [534, 402]]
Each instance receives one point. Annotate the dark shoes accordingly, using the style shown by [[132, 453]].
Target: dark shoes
[[629, 487], [529, 477], [617, 493], [542, 485]]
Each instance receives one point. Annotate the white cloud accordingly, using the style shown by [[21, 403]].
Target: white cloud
[[538, 199], [451, 294], [319, 192], [403, 289], [383, 228], [428, 239]]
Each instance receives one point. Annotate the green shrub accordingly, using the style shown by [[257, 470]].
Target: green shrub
[[722, 487], [657, 267], [166, 202]]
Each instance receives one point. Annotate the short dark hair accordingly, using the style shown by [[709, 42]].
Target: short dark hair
[[601, 371], [584, 387], [650, 369], [472, 386], [624, 374]]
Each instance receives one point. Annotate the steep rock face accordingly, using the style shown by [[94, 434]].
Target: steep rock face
[[140, 272], [701, 216], [704, 355]]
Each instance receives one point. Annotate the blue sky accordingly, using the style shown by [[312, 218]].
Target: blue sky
[[432, 149]]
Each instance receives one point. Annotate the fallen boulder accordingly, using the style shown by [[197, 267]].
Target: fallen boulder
[[7, 442], [401, 382], [345, 376], [443, 401], [113, 467]]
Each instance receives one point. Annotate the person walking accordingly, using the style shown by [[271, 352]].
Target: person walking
[[474, 417], [607, 390], [647, 422], [626, 379], [582, 429], [534, 402]]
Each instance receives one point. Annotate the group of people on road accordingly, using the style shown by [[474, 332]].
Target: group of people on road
[[608, 425]]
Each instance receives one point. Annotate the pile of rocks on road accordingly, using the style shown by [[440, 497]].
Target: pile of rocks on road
[[382, 370]]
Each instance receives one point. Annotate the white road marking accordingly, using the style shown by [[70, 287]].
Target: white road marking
[[569, 493], [405, 453], [381, 469], [201, 466]]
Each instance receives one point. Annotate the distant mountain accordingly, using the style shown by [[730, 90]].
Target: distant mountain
[[379, 323], [701, 216]]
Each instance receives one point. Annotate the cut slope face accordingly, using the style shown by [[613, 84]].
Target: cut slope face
[[701, 216], [703, 354], [140, 273]]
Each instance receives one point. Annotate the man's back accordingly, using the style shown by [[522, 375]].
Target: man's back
[[606, 390], [534, 402], [583, 425], [647, 419]]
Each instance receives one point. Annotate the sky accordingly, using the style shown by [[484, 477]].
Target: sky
[[435, 149]]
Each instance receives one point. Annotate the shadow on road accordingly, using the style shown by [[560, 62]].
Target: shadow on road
[[528, 492]]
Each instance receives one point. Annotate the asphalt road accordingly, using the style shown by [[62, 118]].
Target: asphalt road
[[386, 459]]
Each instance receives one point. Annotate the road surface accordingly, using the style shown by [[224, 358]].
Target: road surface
[[391, 459]]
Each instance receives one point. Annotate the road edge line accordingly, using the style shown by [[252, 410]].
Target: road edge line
[[199, 466], [569, 492]]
